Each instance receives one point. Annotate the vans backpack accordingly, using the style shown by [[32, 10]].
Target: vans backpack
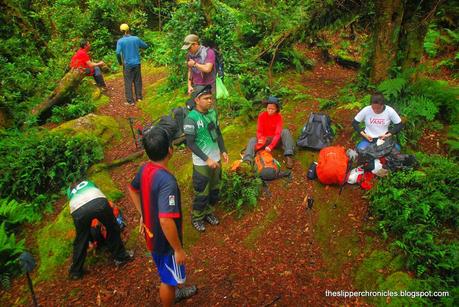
[[316, 133], [332, 165]]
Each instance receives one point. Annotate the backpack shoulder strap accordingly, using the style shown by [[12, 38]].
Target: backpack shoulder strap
[[325, 125], [309, 124]]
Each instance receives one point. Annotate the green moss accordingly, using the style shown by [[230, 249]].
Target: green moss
[[55, 244], [157, 103], [102, 101], [258, 230], [341, 247], [369, 273], [397, 282], [104, 127], [105, 183]]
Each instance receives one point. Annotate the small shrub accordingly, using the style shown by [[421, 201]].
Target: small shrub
[[418, 211], [39, 163], [240, 192]]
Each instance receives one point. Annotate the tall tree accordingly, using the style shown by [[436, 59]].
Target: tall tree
[[398, 35]]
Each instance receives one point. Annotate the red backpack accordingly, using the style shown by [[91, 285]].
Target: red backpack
[[332, 165]]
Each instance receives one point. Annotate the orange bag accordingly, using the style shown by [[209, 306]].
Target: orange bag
[[267, 167], [332, 165]]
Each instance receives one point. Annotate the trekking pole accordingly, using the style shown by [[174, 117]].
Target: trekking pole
[[28, 264], [131, 123]]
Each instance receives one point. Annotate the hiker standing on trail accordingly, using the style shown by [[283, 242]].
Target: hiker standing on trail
[[201, 64], [270, 132], [204, 138], [377, 118], [82, 60], [127, 53], [156, 196], [87, 202]]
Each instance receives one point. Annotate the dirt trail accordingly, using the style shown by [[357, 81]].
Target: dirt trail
[[273, 256]]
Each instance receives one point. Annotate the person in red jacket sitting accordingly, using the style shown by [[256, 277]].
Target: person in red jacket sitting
[[270, 132], [81, 60]]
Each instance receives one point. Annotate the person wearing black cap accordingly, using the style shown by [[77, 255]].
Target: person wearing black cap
[[204, 138], [200, 62], [269, 132]]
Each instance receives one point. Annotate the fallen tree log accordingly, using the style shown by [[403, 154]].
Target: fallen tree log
[[61, 94], [115, 163]]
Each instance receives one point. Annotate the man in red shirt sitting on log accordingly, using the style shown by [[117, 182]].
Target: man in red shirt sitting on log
[[81, 60], [270, 132]]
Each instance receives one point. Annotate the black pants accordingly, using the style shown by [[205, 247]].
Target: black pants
[[132, 75], [82, 217]]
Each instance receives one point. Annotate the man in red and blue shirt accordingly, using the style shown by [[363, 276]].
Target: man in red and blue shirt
[[156, 195]]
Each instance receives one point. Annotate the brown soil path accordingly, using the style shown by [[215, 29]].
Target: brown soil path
[[270, 257]]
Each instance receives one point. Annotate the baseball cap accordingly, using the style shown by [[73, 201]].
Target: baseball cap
[[189, 40], [201, 90]]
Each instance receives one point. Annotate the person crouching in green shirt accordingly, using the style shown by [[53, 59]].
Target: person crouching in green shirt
[[204, 138]]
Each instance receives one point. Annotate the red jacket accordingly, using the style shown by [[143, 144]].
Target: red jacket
[[269, 126], [80, 59]]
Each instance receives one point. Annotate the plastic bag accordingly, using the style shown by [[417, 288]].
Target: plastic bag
[[222, 92]]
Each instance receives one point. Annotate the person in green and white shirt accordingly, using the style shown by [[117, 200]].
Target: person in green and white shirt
[[87, 202], [204, 138]]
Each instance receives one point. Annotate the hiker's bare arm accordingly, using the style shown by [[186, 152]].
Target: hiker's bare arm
[[171, 233], [206, 67], [190, 86], [135, 197], [92, 64]]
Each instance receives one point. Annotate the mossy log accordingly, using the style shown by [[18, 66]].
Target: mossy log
[[115, 163], [66, 87]]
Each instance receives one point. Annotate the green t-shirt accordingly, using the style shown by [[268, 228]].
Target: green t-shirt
[[204, 128], [83, 193]]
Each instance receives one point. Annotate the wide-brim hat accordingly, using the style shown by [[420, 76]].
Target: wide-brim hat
[[273, 100]]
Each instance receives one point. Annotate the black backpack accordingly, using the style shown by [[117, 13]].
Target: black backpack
[[316, 133], [172, 124]]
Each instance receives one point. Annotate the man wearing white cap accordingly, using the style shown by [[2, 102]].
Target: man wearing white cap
[[201, 63]]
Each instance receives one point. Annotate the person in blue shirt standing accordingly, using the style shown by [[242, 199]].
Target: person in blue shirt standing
[[127, 53]]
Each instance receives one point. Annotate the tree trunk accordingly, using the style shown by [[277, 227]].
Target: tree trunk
[[398, 37], [66, 87], [389, 14], [207, 7], [414, 30]]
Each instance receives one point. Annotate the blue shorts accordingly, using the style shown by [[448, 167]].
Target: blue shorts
[[169, 272]]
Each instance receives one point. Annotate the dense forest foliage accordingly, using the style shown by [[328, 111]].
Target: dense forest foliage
[[258, 41]]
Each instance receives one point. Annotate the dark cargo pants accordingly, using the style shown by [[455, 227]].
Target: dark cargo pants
[[100, 209], [132, 76], [206, 185]]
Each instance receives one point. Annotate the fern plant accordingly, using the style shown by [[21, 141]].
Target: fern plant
[[13, 213], [430, 41], [10, 249], [453, 138], [241, 191]]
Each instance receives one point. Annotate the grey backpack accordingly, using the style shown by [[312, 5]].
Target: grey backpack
[[316, 133]]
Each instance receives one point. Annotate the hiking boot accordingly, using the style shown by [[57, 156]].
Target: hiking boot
[[185, 293], [289, 162], [199, 225], [128, 256], [211, 219]]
